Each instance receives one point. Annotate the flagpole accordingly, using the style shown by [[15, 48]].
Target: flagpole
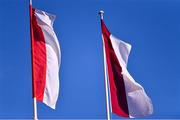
[[34, 98], [35, 108], [101, 13]]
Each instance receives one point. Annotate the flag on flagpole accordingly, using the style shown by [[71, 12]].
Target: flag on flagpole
[[45, 57], [128, 98]]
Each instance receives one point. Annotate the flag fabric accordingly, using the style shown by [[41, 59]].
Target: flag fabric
[[127, 97], [45, 57]]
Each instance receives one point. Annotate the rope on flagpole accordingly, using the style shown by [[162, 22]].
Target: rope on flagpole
[[101, 13], [34, 99]]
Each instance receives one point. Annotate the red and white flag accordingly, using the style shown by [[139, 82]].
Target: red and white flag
[[128, 98], [45, 57]]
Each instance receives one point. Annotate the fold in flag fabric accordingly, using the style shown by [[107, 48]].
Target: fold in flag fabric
[[45, 57], [128, 98]]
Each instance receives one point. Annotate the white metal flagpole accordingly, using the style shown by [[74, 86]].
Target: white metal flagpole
[[34, 99], [35, 108], [105, 74]]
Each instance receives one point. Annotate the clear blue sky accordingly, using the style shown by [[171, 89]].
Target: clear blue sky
[[152, 27]]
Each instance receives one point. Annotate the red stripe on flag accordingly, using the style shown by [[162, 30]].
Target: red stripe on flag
[[117, 86], [38, 57]]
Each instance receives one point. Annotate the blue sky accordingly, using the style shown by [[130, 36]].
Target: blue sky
[[152, 27]]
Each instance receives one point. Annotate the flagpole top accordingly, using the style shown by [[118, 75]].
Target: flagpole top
[[101, 13], [30, 2]]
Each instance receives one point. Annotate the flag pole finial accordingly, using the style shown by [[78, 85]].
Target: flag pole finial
[[101, 13], [30, 2]]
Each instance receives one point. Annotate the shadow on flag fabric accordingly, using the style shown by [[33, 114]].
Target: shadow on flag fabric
[[128, 98], [45, 57]]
